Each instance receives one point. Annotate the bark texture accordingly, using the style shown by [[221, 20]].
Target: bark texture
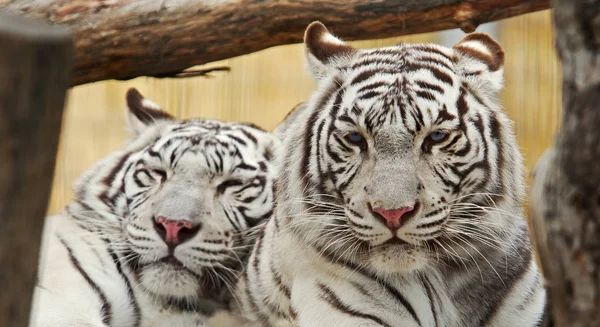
[[566, 184], [123, 39], [35, 61]]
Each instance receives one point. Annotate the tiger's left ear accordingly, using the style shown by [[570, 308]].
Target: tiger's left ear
[[325, 52], [480, 60], [143, 112]]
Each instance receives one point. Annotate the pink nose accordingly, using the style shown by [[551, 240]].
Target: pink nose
[[174, 232], [392, 216]]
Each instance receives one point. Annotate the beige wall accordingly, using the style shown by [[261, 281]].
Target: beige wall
[[263, 86]]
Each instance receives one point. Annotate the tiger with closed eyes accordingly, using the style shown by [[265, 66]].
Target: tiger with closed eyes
[[399, 201], [157, 231]]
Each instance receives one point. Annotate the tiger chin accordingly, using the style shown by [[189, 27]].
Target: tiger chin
[[157, 231], [399, 202]]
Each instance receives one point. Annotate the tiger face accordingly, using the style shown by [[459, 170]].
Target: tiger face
[[404, 152], [184, 196]]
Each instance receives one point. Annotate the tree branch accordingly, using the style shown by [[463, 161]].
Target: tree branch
[[34, 76], [123, 39], [566, 183]]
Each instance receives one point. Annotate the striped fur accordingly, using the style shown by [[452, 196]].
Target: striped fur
[[103, 260], [430, 136]]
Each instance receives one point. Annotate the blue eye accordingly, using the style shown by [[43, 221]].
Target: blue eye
[[438, 136], [357, 139], [354, 137]]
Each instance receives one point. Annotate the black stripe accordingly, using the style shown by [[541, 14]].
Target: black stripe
[[371, 86], [425, 95], [106, 311], [363, 76], [330, 297], [430, 59], [237, 139], [436, 71], [138, 181], [264, 320], [430, 294], [513, 275], [279, 283], [308, 133], [429, 49], [368, 95], [496, 136], [430, 87], [375, 60], [357, 225], [249, 136], [231, 220], [399, 50], [130, 293], [367, 274], [155, 154], [108, 180]]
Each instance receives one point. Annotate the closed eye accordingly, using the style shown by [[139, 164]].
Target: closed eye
[[221, 188], [161, 173]]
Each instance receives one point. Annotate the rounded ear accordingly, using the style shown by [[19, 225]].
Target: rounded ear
[[273, 147], [143, 112], [270, 144], [480, 60], [325, 52]]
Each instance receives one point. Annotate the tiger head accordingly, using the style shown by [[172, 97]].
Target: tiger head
[[178, 203], [401, 157]]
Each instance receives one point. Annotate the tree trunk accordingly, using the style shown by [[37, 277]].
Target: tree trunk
[[35, 65], [566, 183], [123, 39]]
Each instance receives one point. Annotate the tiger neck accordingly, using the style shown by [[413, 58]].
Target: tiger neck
[[103, 220]]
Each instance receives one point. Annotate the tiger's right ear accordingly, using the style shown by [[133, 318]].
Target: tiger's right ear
[[325, 52], [143, 112]]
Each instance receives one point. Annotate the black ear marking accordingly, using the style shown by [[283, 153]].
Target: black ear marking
[[483, 48], [145, 111], [323, 45]]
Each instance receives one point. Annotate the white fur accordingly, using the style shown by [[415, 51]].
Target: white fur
[[299, 252], [113, 213]]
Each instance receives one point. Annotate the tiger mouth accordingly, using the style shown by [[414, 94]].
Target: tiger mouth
[[394, 242], [397, 242], [207, 283], [172, 261]]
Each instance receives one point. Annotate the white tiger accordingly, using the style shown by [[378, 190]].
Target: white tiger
[[399, 201], [157, 231]]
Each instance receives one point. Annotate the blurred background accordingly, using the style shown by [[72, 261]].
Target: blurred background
[[262, 87]]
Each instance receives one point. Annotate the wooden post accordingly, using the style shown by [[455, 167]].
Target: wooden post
[[566, 182], [35, 72]]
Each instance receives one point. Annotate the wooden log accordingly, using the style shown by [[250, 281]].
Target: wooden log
[[123, 39], [566, 181], [35, 72]]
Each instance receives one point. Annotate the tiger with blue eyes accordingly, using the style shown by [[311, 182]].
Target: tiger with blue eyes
[[157, 231], [399, 201]]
